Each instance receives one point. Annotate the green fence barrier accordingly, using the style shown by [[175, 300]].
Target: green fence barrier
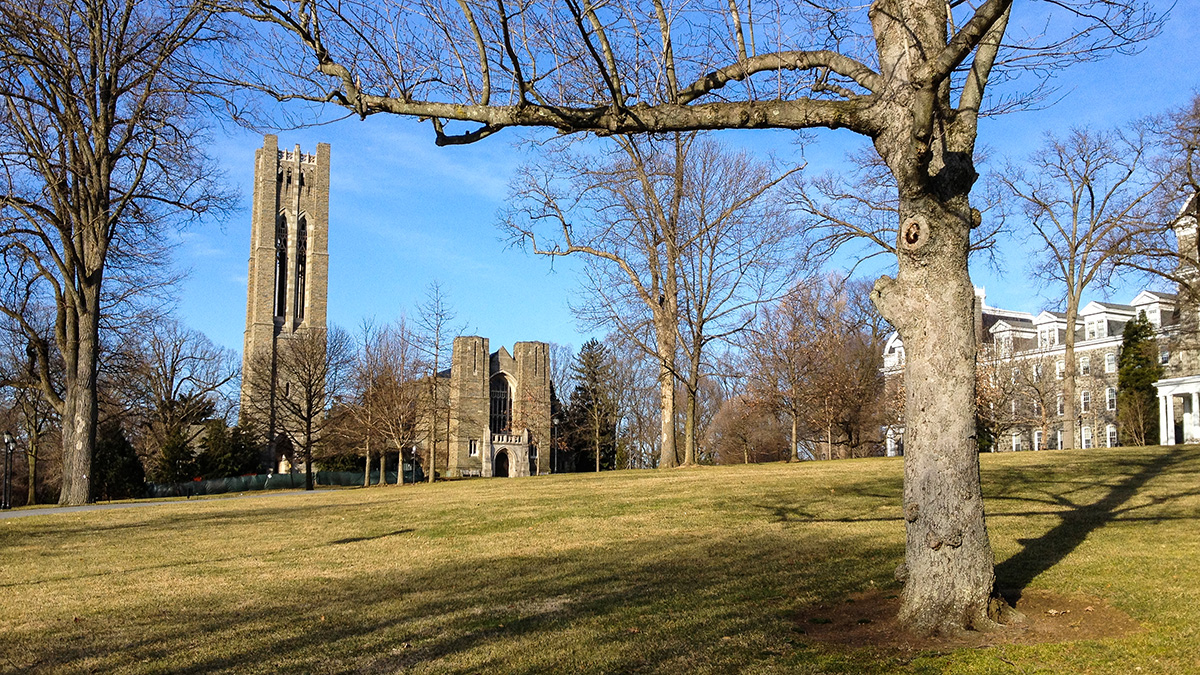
[[278, 481]]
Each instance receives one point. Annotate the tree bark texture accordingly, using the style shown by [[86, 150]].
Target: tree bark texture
[[666, 388], [80, 406], [949, 561]]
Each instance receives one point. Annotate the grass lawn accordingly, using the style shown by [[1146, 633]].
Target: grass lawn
[[700, 570]]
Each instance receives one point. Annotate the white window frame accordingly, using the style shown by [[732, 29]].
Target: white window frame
[[1085, 434], [1110, 362], [473, 448], [1085, 366], [1059, 405], [1110, 398], [1164, 356], [1016, 442], [1060, 369], [1037, 440], [1085, 401], [1110, 434]]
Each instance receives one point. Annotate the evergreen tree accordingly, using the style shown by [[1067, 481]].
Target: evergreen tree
[[227, 452], [1138, 368], [591, 422], [117, 473], [176, 463]]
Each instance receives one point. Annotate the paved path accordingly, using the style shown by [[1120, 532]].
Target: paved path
[[52, 510]]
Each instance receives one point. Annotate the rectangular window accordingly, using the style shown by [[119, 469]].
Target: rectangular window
[[473, 447], [1112, 435], [1059, 438], [1087, 436], [1091, 330], [1016, 442], [1110, 396], [1085, 401], [1037, 371], [1110, 362], [1060, 404], [1037, 441], [1164, 356], [1085, 366], [1059, 369], [1037, 407]]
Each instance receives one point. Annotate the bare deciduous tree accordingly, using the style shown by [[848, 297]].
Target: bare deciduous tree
[[1085, 198], [814, 357], [175, 377], [100, 149], [311, 371], [387, 391], [435, 320], [683, 239], [913, 76]]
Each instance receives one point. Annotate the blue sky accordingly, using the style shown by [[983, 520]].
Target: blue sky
[[404, 213]]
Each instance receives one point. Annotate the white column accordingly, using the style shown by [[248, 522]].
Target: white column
[[1192, 435], [1163, 401], [1170, 435]]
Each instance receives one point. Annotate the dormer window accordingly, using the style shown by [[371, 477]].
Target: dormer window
[[1155, 317], [1047, 336], [1097, 328]]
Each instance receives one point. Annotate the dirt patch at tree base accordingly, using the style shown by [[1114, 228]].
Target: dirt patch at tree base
[[869, 620]]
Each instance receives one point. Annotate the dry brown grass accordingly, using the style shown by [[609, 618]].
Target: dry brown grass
[[702, 570]]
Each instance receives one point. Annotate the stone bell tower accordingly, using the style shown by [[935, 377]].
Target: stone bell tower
[[289, 257]]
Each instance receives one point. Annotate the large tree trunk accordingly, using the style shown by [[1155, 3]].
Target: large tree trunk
[[950, 568], [80, 408], [665, 339], [1069, 424], [689, 428], [367, 471], [382, 466], [792, 448], [308, 472]]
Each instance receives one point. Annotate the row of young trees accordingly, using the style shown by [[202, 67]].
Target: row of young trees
[[801, 379]]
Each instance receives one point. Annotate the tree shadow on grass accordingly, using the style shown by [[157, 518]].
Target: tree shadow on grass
[[664, 604], [1080, 516]]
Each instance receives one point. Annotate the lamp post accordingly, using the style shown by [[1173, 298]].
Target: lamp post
[[9, 444]]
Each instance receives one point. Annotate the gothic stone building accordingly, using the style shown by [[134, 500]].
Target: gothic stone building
[[497, 408], [288, 274], [1022, 349], [495, 412]]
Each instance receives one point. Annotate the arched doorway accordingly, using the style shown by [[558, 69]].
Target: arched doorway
[[501, 465]]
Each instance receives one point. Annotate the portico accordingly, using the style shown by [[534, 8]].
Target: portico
[[1187, 388]]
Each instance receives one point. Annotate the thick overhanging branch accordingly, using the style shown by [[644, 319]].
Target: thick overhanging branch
[[795, 60], [856, 115]]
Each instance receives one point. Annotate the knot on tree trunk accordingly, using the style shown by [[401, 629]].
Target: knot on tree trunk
[[914, 234], [911, 512], [936, 541]]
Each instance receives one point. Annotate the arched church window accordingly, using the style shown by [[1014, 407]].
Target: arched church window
[[501, 417], [280, 266], [301, 266]]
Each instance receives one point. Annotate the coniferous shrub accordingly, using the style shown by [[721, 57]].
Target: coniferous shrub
[[117, 472]]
